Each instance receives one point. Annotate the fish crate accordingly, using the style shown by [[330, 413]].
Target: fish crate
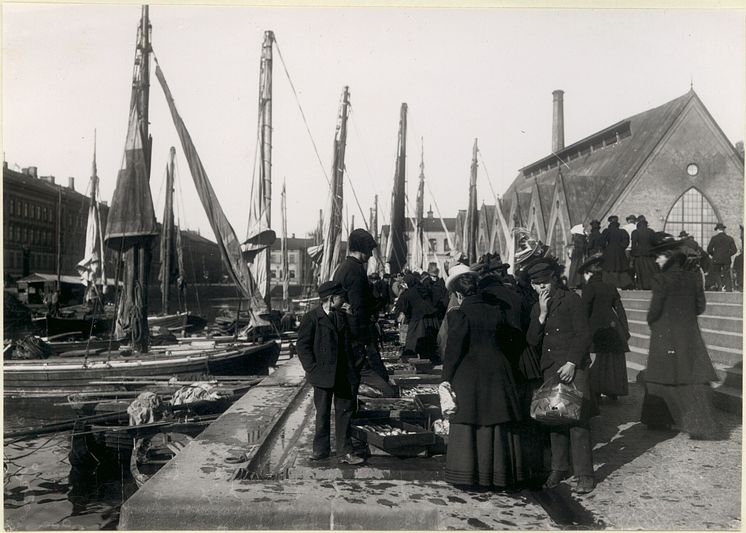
[[404, 409], [400, 369], [391, 353], [409, 386], [423, 366], [429, 405], [415, 441]]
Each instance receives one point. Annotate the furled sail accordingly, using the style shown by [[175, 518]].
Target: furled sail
[[260, 236], [397, 257], [91, 267], [131, 226], [230, 248], [419, 255], [169, 271], [471, 223], [332, 244]]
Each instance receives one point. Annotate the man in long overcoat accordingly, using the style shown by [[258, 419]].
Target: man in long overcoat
[[559, 326], [721, 248], [351, 273], [325, 350]]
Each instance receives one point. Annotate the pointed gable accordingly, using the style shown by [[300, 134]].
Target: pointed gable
[[604, 162]]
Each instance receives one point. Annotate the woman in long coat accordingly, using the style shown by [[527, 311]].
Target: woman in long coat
[[609, 329], [483, 448], [595, 241], [577, 255], [679, 371], [422, 319], [615, 262], [644, 260]]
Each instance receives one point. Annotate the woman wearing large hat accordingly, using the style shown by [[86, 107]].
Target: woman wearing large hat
[[679, 370], [608, 322], [483, 444]]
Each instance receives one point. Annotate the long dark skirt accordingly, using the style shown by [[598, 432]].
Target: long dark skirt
[[645, 269], [484, 456], [688, 407], [608, 374]]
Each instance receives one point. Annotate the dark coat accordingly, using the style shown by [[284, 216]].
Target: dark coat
[[438, 295], [478, 370], [615, 241], [414, 302], [721, 248], [595, 242], [325, 349], [354, 279], [642, 241], [577, 256], [564, 336], [677, 352], [606, 317]]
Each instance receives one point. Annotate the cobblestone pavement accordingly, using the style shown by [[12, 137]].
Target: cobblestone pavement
[[662, 479]]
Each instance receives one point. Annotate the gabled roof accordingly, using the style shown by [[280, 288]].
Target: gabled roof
[[604, 162]]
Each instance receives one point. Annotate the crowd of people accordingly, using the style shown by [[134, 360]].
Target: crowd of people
[[630, 263], [502, 336]]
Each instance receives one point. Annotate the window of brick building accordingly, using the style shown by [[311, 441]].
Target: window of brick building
[[692, 213], [433, 245], [12, 207], [446, 248]]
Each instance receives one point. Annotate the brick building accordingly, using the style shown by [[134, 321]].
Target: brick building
[[30, 229], [30, 223], [435, 236], [672, 164]]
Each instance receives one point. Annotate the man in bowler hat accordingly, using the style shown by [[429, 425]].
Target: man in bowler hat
[[333, 368], [721, 248]]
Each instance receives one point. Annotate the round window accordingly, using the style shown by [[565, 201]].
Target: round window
[[692, 169]]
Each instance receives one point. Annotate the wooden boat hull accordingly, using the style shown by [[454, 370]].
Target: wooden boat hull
[[77, 373], [50, 326]]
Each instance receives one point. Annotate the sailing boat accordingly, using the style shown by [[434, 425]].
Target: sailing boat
[[93, 320], [172, 266], [130, 230]]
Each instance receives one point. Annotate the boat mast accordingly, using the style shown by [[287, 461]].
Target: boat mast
[[471, 222], [131, 224], [420, 261], [398, 257], [261, 203], [284, 248], [333, 216], [167, 234]]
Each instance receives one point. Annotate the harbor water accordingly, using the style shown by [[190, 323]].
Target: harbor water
[[41, 490]]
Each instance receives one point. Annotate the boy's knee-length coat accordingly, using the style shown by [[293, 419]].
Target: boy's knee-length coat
[[323, 344]]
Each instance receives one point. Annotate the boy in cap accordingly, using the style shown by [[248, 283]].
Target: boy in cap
[[333, 368]]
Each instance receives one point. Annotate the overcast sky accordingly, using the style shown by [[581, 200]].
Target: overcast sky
[[465, 74]]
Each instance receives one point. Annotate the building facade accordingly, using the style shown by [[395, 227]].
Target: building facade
[[439, 240], [672, 164]]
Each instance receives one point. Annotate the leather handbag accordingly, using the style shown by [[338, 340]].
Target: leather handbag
[[556, 403]]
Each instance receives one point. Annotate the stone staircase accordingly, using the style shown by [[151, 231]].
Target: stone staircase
[[722, 329]]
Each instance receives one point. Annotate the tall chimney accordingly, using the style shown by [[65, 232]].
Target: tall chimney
[[71, 183], [558, 121]]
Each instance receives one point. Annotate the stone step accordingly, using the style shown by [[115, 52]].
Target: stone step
[[725, 309], [712, 337], [711, 296], [727, 393], [706, 320], [720, 354]]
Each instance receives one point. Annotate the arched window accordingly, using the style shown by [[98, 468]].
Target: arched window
[[694, 214]]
